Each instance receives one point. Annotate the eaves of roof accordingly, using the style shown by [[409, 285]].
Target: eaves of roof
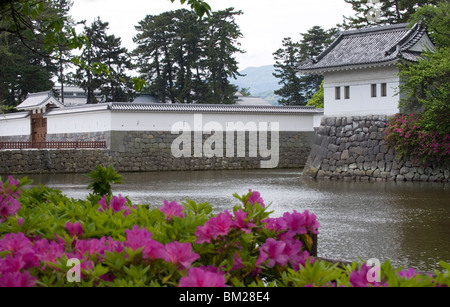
[[184, 108], [372, 47], [37, 100], [204, 108]]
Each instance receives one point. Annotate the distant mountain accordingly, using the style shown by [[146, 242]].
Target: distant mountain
[[261, 82]]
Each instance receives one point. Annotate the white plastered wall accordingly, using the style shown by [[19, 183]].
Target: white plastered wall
[[72, 121], [82, 122], [15, 124], [127, 121], [360, 101]]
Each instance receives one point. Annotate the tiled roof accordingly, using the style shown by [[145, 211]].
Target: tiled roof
[[133, 107], [39, 100], [380, 45]]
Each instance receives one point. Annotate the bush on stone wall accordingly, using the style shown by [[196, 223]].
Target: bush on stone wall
[[406, 134]]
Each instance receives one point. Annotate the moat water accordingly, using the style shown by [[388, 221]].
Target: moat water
[[406, 223]]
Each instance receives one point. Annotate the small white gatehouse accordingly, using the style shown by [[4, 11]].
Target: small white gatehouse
[[360, 68]]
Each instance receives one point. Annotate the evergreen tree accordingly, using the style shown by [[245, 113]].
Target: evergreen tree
[[313, 42], [372, 12], [298, 89], [184, 59], [109, 77], [22, 71], [155, 54], [27, 62], [222, 43], [63, 52], [286, 58]]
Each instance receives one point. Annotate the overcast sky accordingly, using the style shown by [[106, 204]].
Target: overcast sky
[[264, 23]]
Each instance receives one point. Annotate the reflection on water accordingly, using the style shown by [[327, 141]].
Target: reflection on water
[[407, 223]]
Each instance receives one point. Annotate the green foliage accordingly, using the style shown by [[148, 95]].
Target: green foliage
[[186, 59], [103, 65], [411, 138], [46, 35], [425, 134], [428, 90], [199, 6], [102, 178], [296, 89], [114, 248], [436, 18], [286, 58], [373, 12], [317, 100], [426, 85], [317, 274]]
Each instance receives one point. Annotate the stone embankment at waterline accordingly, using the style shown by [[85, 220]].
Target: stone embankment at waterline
[[353, 148]]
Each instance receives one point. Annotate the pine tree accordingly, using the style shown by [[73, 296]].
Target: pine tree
[[155, 54], [222, 43], [298, 89], [62, 49], [186, 59], [372, 12], [313, 42], [27, 61], [109, 77], [286, 58]]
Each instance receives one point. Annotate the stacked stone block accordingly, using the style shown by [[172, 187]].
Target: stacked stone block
[[134, 151], [354, 148]]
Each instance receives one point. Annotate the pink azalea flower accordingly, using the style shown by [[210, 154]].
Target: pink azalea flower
[[410, 273], [48, 251], [358, 278], [103, 204], [11, 264], [141, 238], [137, 238], [17, 279], [16, 244], [256, 198], [274, 251], [295, 223], [220, 224], [90, 247], [300, 223], [154, 250], [172, 209], [118, 203], [74, 229], [8, 206], [312, 225], [181, 254], [240, 223], [198, 277], [295, 254], [214, 227], [203, 234], [275, 224], [114, 246]]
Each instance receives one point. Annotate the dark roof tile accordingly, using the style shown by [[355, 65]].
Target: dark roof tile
[[376, 45]]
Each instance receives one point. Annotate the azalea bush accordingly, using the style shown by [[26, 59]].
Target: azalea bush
[[50, 240], [408, 136]]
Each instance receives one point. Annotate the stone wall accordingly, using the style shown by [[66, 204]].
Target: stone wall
[[82, 137], [148, 151], [353, 148], [16, 138]]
